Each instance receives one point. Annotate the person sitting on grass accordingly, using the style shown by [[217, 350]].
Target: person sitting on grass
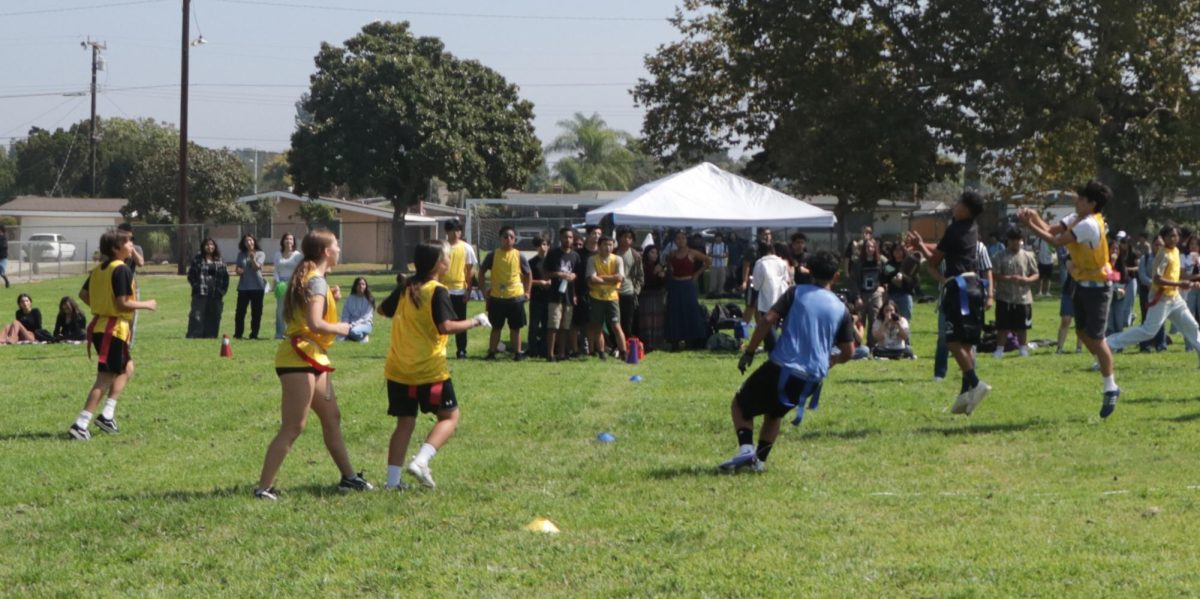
[[357, 311], [814, 321], [417, 371], [890, 334], [26, 326], [71, 325]]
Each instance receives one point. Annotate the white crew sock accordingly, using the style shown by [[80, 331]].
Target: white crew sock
[[425, 454], [394, 475], [85, 418], [110, 409], [1110, 383]]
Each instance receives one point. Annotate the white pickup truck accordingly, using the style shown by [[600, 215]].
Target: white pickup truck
[[48, 246]]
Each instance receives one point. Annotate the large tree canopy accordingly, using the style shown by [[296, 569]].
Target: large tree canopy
[[215, 179], [388, 111]]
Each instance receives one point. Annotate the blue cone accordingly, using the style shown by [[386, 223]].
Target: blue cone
[[605, 438], [637, 378]]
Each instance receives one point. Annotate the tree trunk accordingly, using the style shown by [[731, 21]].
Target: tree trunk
[[1125, 211]]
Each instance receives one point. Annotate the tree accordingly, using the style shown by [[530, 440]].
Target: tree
[[215, 179], [122, 144], [315, 214], [8, 175], [599, 157], [274, 175], [388, 111]]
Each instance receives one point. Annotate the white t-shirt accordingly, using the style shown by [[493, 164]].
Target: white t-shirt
[[1086, 230], [772, 277], [284, 267], [718, 253], [892, 338]]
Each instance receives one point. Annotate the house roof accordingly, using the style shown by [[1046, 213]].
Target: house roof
[[382, 211], [43, 206]]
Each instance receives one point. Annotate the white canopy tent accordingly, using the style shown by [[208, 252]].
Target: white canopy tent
[[706, 196]]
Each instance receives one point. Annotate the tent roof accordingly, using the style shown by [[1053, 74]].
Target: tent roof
[[706, 196]]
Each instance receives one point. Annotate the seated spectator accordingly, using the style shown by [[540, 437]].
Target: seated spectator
[[27, 327], [357, 311], [860, 337], [890, 333], [71, 324]]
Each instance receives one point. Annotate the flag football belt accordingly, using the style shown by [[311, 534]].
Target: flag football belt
[[105, 342], [295, 341], [812, 389], [960, 281]]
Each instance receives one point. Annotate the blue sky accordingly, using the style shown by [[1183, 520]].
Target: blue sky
[[566, 56]]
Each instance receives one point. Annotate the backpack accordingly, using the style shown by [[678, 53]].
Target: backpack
[[724, 316], [722, 342]]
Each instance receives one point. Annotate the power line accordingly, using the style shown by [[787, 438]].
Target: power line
[[458, 15], [42, 11]]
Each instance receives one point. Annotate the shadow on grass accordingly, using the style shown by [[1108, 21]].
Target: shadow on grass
[[875, 380], [1184, 418], [980, 429], [1164, 400], [841, 435], [685, 471], [34, 436], [239, 491]]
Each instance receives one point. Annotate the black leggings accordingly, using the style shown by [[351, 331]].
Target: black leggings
[[459, 302], [255, 300]]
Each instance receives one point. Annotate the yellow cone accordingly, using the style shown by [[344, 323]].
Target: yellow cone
[[542, 525]]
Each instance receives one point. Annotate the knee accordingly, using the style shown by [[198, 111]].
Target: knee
[[290, 431]]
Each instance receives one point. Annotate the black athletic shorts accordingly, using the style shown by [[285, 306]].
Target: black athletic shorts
[[963, 328], [507, 311], [1045, 271], [1014, 317], [297, 369], [1091, 309], [117, 358], [432, 397], [761, 393]]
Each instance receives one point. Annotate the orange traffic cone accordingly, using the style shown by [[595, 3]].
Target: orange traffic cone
[[226, 348]]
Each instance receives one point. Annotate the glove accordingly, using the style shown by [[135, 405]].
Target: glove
[[746, 360], [482, 320]]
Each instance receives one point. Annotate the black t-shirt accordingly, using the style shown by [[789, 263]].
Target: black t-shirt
[[559, 261], [801, 278], [783, 305], [960, 248], [32, 321], [443, 310], [581, 287], [122, 280], [538, 293]]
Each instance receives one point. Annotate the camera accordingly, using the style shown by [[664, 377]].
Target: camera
[[895, 317]]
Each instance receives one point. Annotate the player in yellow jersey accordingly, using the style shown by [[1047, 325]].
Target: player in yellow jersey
[[110, 292], [507, 291], [1165, 302], [303, 366], [605, 273], [1085, 236], [418, 374], [458, 278]]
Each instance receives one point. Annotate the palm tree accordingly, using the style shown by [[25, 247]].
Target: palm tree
[[599, 158]]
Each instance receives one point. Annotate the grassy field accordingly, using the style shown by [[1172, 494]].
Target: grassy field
[[879, 493]]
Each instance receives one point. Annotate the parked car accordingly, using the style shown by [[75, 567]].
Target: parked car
[[48, 246]]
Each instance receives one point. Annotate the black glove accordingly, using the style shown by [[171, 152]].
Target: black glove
[[745, 361]]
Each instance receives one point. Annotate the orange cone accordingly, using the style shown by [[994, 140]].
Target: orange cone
[[226, 348]]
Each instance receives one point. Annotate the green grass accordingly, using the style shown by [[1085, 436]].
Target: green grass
[[879, 493]]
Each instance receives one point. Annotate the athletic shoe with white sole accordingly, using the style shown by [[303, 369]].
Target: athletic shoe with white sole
[[108, 425], [400, 486], [267, 494], [1110, 403], [423, 474], [355, 483], [739, 461], [976, 395], [79, 434], [960, 403], [999, 353]]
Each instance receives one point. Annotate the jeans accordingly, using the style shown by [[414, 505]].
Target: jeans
[[716, 280], [204, 320], [904, 304], [1121, 313], [254, 299], [280, 323], [359, 331]]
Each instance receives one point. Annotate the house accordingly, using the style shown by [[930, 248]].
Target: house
[[81, 220], [364, 231]]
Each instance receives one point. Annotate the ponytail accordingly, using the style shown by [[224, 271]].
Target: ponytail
[[313, 247], [425, 260]]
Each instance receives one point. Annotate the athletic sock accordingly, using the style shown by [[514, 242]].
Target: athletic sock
[[745, 437], [85, 418], [1110, 383], [393, 479], [110, 409], [970, 380], [425, 454], [764, 450]]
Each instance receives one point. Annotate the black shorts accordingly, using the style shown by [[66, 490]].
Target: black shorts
[[762, 394], [1091, 309], [963, 328], [507, 311], [1045, 271], [297, 369], [432, 397], [604, 312], [118, 354], [1014, 317]]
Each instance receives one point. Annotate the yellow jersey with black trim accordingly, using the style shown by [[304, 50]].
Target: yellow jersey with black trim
[[1167, 266], [506, 274], [455, 277], [1088, 262], [606, 292], [103, 300], [301, 347], [417, 353]]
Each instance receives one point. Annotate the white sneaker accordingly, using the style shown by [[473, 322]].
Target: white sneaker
[[1023, 352], [960, 403], [999, 353], [938, 379], [976, 395], [421, 471], [742, 459]]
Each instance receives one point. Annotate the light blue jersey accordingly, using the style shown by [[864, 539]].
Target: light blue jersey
[[814, 321]]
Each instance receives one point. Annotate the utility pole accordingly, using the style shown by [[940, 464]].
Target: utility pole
[[96, 48], [183, 141]]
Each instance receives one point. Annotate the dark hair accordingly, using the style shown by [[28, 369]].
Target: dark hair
[[283, 238], [567, 229], [657, 253], [604, 238], [126, 227], [1014, 233], [782, 250], [823, 266], [242, 243], [589, 228], [1096, 193], [799, 237], [216, 248], [313, 247], [68, 305], [973, 201], [21, 296], [111, 240], [623, 231], [366, 290], [538, 241], [886, 304], [1167, 229], [425, 260], [506, 229], [452, 225]]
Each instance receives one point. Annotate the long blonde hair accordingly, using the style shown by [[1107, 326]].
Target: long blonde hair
[[313, 247]]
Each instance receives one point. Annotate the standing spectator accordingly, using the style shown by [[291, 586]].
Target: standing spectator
[[1125, 265], [719, 252], [854, 252], [209, 279], [560, 267], [685, 316], [71, 324], [631, 286], [869, 281], [1191, 271], [736, 246], [994, 246], [749, 257], [605, 272], [4, 256], [589, 247], [1045, 260], [799, 260], [457, 279], [772, 277], [285, 261], [1016, 270], [890, 334], [899, 276], [251, 286], [539, 299], [357, 311], [1145, 281], [507, 291], [652, 303]]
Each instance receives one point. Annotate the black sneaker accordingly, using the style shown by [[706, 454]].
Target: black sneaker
[[603, 356], [267, 494], [108, 425], [490, 356], [355, 483], [1110, 403], [518, 357], [462, 355], [79, 434]]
